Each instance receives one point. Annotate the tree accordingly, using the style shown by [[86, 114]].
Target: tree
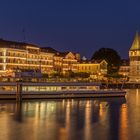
[[56, 74], [111, 56], [71, 74], [82, 75], [114, 75], [45, 75]]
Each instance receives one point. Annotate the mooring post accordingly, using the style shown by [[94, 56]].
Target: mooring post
[[19, 92]]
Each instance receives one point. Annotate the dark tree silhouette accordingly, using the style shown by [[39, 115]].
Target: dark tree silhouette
[[111, 56]]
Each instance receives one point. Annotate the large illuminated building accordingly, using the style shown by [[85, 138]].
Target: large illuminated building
[[18, 57], [22, 56], [124, 68], [134, 55], [96, 68], [66, 61]]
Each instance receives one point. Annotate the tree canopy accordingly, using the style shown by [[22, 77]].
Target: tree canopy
[[111, 56], [72, 74]]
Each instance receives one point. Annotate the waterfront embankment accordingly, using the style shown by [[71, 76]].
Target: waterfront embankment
[[121, 85]]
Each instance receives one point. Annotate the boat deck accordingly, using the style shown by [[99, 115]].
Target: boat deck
[[56, 90]]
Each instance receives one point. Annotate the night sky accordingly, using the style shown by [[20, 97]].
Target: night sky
[[75, 25]]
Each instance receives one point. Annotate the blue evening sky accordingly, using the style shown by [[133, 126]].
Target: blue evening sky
[[75, 25]]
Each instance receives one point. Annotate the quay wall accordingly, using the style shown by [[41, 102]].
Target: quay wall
[[120, 86]]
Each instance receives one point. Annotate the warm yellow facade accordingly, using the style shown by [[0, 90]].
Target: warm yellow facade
[[124, 70], [66, 61], [88, 67], [134, 55], [58, 60], [24, 57], [16, 56], [93, 67]]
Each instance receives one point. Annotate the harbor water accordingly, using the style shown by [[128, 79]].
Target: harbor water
[[72, 119]]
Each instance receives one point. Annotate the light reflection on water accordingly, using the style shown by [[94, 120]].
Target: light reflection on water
[[83, 119]]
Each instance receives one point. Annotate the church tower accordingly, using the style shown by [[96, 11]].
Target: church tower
[[134, 55]]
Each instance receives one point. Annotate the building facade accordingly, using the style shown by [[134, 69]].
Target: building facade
[[96, 68], [124, 68], [29, 59], [134, 55], [66, 61], [21, 56]]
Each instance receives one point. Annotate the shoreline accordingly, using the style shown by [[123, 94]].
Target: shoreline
[[123, 86], [102, 84]]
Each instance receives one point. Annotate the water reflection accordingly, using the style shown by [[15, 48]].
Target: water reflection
[[123, 129], [18, 112], [107, 119], [88, 118], [114, 119]]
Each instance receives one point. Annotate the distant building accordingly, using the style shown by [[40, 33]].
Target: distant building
[[19, 59], [124, 68], [134, 55], [23, 56], [66, 61], [95, 67]]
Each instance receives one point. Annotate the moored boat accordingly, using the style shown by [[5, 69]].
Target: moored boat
[[57, 90]]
